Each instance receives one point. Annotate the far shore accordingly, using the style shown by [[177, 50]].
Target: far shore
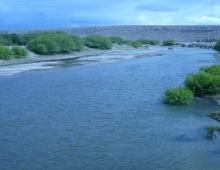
[[87, 56], [34, 61]]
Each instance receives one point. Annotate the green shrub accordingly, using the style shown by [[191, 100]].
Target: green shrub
[[212, 129], [25, 38], [127, 42], [217, 45], [9, 39], [168, 42], [178, 96], [43, 45], [136, 44], [2, 41], [78, 43], [203, 83], [115, 39], [147, 41], [19, 52], [5, 53], [54, 42], [97, 41], [213, 70]]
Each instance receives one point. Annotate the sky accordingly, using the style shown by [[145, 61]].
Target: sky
[[40, 14]]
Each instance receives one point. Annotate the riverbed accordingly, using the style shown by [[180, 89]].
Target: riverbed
[[107, 115]]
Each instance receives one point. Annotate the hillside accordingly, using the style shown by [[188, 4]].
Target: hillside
[[178, 33]]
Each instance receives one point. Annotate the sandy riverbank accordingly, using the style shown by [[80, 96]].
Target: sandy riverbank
[[87, 56]]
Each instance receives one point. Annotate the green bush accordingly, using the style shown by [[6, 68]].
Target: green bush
[[115, 39], [213, 70], [127, 42], [168, 42], [2, 41], [178, 96], [25, 38], [19, 52], [217, 45], [203, 83], [9, 39], [54, 42], [5, 53], [136, 44], [212, 129], [147, 41], [97, 41], [43, 45]]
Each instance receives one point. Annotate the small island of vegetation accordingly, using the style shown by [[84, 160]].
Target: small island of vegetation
[[202, 84]]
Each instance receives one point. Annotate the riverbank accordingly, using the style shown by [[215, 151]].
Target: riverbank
[[34, 61]]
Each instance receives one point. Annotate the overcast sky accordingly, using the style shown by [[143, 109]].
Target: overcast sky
[[26, 14]]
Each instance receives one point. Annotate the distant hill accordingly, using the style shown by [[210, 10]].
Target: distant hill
[[178, 33]]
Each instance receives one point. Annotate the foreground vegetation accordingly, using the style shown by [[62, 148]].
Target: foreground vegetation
[[205, 82], [178, 96]]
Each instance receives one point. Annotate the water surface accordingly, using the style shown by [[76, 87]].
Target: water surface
[[107, 116]]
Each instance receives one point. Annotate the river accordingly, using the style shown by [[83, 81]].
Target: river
[[107, 116]]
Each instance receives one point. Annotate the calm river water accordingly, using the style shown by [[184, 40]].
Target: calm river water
[[107, 116]]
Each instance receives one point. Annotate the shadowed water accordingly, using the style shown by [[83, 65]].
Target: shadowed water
[[106, 116]]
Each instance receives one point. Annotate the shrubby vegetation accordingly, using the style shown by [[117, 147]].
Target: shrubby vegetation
[[127, 42], [147, 41], [203, 83], [212, 129], [213, 70], [168, 42], [25, 38], [178, 96], [136, 44], [5, 53], [217, 45], [19, 52], [97, 41], [50, 42], [115, 39], [9, 39], [54, 42]]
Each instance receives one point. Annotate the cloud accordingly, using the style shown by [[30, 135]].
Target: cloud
[[57, 13], [205, 19], [155, 8]]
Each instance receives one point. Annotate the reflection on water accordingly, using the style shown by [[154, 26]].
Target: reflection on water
[[106, 116]]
